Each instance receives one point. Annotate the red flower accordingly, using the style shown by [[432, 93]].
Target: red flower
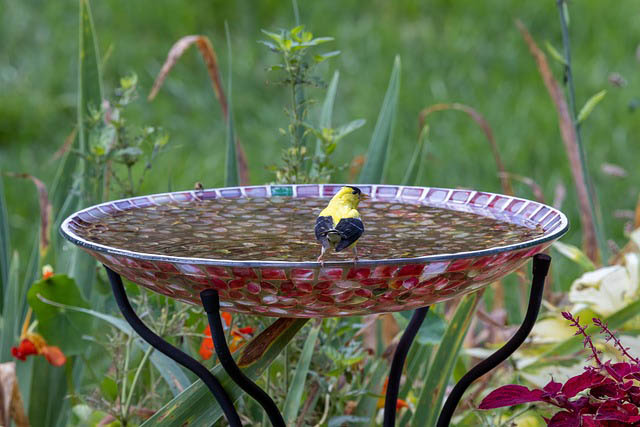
[[26, 348], [34, 344]]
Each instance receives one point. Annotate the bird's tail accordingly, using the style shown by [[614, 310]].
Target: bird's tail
[[333, 236], [332, 231]]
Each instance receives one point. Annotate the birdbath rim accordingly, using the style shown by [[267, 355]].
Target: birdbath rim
[[452, 199]]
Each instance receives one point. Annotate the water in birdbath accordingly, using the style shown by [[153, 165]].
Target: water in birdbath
[[281, 229]]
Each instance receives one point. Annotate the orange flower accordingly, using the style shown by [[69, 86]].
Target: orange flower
[[399, 403], [226, 317], [206, 347], [238, 337], [32, 343]]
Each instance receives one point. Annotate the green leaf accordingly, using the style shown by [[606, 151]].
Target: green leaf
[[368, 403], [374, 166], [296, 30], [432, 394], [575, 255], [5, 242], [60, 327], [345, 130], [555, 54], [324, 56], [231, 166], [590, 105], [431, 330], [415, 165], [196, 406], [270, 45], [294, 396], [274, 36]]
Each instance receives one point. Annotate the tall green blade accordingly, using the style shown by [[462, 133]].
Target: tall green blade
[[80, 265], [369, 402], [327, 108], [231, 166], [373, 169], [5, 244], [415, 164], [432, 393], [294, 396], [10, 330], [196, 406]]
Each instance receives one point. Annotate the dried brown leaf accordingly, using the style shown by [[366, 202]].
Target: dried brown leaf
[[613, 170], [11, 405], [570, 140], [484, 125], [45, 209], [559, 194], [210, 58], [529, 182], [66, 146]]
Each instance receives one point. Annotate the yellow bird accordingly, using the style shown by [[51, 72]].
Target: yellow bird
[[339, 225]]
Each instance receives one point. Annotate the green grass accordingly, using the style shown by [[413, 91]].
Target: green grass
[[468, 52]]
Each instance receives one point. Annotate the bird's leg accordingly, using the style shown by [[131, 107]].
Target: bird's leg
[[355, 254], [320, 259]]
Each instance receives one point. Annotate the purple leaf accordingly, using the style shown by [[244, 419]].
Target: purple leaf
[[621, 370], [564, 419], [612, 411], [585, 380], [552, 388], [589, 421], [607, 390], [510, 395]]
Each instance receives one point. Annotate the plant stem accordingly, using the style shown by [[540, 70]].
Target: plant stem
[[566, 44], [145, 357], [123, 412]]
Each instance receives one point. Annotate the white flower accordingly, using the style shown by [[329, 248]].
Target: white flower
[[608, 289]]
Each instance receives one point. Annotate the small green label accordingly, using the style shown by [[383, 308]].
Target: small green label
[[281, 191]]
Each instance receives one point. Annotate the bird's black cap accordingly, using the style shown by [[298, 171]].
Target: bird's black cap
[[356, 190]]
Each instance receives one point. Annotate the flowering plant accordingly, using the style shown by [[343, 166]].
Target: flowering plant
[[605, 394]]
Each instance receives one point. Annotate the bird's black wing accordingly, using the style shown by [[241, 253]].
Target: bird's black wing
[[350, 230], [323, 225]]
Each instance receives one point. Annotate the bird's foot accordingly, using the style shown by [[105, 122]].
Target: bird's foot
[[321, 261]]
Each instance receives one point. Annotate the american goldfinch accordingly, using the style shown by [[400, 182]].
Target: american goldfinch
[[339, 225]]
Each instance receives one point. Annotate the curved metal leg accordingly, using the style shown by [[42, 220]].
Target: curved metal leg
[[393, 384], [211, 303], [164, 347], [540, 268]]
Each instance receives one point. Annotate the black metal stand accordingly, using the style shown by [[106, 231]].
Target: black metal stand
[[211, 303], [393, 382], [164, 347], [541, 264]]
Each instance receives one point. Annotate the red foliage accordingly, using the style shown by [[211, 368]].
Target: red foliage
[[602, 395]]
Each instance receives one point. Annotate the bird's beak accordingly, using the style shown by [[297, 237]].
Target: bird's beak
[[364, 196]]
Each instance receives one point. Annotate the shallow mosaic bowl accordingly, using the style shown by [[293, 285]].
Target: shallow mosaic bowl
[[256, 247]]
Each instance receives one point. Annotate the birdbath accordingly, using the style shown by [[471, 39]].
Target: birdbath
[[252, 250]]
